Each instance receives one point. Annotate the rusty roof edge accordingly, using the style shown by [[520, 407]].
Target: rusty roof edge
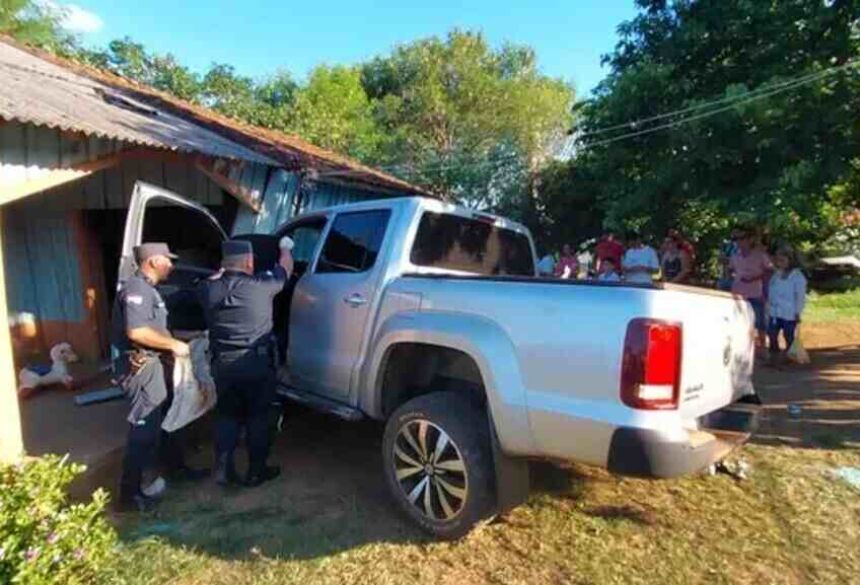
[[264, 141]]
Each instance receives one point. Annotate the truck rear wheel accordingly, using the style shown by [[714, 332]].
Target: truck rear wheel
[[439, 463]]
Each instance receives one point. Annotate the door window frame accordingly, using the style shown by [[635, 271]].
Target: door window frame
[[333, 219], [142, 194], [327, 218]]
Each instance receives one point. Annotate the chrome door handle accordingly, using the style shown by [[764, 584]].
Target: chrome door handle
[[355, 300]]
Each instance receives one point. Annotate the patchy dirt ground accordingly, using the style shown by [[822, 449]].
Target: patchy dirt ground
[[831, 334], [827, 391]]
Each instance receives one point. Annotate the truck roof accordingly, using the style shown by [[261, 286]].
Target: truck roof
[[423, 203]]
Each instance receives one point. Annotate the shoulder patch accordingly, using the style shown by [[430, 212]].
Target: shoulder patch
[[134, 299]]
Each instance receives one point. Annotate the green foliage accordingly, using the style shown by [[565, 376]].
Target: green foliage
[[34, 23], [130, 59], [783, 162], [44, 539], [333, 111], [466, 119]]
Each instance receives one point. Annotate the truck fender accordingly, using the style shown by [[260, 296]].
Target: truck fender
[[481, 339]]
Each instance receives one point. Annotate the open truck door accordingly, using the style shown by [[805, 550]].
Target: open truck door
[[191, 232]]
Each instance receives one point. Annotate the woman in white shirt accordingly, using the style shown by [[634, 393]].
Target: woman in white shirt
[[786, 298]]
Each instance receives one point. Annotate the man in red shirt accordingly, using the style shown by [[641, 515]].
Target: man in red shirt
[[608, 247]]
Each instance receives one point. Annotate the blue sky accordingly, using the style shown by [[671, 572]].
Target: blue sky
[[259, 37]]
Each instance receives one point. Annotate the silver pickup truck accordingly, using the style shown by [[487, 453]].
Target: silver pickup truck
[[430, 317]]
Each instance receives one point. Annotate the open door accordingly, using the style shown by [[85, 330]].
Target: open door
[[191, 232]]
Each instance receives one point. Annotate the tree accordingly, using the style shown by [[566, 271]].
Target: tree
[[34, 23], [774, 159], [276, 97], [333, 111], [465, 119], [130, 59]]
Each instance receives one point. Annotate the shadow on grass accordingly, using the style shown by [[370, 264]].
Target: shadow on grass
[[558, 480], [826, 395], [330, 498], [638, 516]]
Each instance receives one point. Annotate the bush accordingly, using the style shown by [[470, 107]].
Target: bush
[[43, 537]]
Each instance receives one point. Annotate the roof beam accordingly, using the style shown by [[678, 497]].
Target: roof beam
[[212, 169], [50, 178]]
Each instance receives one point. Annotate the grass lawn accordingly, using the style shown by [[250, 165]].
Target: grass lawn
[[329, 519], [833, 306], [791, 523]]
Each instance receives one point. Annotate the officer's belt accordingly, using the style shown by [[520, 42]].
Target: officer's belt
[[261, 350]]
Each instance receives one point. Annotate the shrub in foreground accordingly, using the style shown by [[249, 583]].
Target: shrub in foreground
[[44, 538]]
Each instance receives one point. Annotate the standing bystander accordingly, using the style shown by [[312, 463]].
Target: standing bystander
[[608, 247], [786, 299], [640, 262], [567, 266], [749, 267]]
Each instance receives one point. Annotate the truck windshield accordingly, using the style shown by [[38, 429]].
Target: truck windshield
[[452, 242]]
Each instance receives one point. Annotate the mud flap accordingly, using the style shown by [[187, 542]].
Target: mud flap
[[512, 475]]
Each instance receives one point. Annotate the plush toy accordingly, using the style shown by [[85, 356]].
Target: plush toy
[[32, 377]]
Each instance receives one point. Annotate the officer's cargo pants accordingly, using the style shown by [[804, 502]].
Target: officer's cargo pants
[[147, 390], [245, 384]]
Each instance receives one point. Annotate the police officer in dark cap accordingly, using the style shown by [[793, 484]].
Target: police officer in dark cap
[[238, 308], [139, 335]]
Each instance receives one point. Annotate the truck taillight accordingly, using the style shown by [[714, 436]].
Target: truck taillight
[[651, 366]]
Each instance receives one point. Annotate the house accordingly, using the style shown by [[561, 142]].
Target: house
[[73, 142]]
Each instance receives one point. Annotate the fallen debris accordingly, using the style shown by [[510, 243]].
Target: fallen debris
[[849, 474], [97, 396], [737, 468]]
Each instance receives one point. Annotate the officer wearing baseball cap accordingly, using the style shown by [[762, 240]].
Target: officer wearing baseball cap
[[139, 334], [238, 306]]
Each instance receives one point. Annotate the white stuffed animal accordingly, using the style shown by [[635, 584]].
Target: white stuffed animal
[[29, 379]]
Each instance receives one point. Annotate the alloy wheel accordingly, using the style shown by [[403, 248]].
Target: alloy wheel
[[430, 470]]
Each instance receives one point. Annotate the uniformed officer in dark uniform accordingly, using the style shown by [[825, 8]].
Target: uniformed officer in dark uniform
[[238, 308], [139, 334]]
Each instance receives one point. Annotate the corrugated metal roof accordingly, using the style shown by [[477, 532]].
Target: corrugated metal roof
[[36, 91], [41, 88]]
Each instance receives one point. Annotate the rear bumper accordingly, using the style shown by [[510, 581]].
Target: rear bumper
[[647, 453]]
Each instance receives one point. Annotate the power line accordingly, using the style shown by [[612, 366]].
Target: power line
[[730, 106], [762, 89]]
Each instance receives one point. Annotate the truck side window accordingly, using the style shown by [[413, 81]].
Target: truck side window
[[354, 241], [452, 242]]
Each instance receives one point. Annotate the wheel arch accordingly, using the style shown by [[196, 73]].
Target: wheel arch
[[485, 344]]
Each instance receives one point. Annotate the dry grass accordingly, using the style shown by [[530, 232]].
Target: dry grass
[[790, 523]]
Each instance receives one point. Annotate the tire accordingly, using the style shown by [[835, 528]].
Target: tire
[[457, 473]]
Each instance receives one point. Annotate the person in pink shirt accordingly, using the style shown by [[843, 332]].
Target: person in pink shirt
[[567, 265], [750, 267]]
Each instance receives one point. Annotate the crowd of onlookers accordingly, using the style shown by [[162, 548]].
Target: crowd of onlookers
[[772, 282]]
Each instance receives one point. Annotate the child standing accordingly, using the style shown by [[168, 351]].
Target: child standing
[[787, 297], [608, 272]]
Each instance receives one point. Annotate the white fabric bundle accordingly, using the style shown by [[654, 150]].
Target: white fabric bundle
[[193, 387]]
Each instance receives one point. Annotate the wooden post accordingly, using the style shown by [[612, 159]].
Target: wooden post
[[11, 442]]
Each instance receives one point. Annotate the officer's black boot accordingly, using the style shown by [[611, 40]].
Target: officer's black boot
[[259, 474], [225, 471]]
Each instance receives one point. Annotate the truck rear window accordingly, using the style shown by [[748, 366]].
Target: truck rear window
[[452, 242]]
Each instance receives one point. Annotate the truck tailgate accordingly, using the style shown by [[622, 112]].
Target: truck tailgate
[[718, 347]]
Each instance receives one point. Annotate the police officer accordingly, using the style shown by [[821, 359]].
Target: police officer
[[238, 306], [139, 333]]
